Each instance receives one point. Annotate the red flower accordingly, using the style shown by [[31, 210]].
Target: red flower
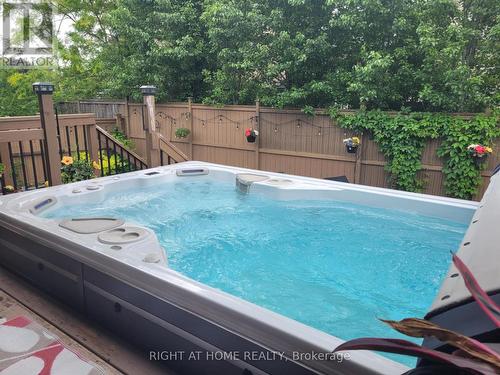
[[480, 149], [248, 132]]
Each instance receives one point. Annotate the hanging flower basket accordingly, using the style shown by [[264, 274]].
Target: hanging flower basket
[[182, 133], [479, 153], [480, 160], [251, 135], [352, 144]]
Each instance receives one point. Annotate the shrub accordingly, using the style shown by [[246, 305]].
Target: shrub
[[122, 138], [76, 170]]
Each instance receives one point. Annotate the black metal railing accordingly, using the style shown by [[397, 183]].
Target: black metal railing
[[73, 146], [25, 167], [166, 159], [114, 157], [169, 153]]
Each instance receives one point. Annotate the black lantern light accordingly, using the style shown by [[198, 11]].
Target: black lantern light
[[41, 88], [148, 90]]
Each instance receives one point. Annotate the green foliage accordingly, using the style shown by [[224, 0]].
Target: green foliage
[[2, 169], [122, 138], [16, 93], [78, 170], [182, 132], [81, 169], [463, 176], [401, 138], [309, 111], [115, 163], [426, 55]]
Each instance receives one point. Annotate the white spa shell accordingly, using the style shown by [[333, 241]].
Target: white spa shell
[[134, 256]]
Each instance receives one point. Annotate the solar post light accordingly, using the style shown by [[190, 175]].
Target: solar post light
[[148, 90], [41, 88]]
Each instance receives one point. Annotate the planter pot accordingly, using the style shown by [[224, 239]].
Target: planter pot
[[251, 138], [351, 149], [478, 160]]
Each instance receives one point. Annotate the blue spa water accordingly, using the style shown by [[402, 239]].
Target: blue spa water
[[331, 265]]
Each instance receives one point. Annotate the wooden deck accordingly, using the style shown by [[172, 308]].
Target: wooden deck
[[78, 333]]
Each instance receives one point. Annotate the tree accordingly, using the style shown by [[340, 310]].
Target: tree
[[423, 55]]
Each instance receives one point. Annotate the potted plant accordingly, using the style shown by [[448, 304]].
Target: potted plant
[[479, 153], [352, 144], [251, 135], [182, 132]]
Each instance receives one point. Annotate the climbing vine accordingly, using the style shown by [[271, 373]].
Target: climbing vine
[[462, 175], [402, 137]]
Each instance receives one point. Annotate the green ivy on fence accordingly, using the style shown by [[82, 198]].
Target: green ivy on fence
[[402, 137]]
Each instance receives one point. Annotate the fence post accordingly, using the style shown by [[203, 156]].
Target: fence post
[[44, 91], [359, 159], [126, 129], [152, 139], [190, 110], [93, 146], [119, 123], [257, 125]]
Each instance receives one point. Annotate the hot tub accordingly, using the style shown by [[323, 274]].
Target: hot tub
[[215, 269]]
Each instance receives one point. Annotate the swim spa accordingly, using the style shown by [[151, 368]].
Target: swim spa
[[205, 257]]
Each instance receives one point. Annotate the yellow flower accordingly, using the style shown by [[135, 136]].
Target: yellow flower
[[96, 165], [489, 150], [9, 187], [46, 184], [67, 160]]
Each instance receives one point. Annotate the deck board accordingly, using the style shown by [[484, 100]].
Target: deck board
[[77, 332]]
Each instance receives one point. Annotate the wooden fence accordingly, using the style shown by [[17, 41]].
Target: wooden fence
[[101, 108], [289, 142]]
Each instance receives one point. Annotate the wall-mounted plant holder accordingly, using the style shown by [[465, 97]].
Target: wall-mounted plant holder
[[182, 132], [479, 153], [251, 135], [351, 149], [352, 144], [480, 160], [251, 138]]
